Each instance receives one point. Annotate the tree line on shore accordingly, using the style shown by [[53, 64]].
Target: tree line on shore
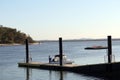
[[9, 36]]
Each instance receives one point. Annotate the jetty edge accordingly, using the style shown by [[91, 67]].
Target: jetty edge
[[48, 66]]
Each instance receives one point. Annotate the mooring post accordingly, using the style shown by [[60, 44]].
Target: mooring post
[[60, 51], [109, 49], [27, 51]]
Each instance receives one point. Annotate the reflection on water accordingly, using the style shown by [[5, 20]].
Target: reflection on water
[[59, 75], [56, 75], [28, 73]]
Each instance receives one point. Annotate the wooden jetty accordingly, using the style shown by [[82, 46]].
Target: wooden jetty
[[98, 70], [103, 67], [110, 69]]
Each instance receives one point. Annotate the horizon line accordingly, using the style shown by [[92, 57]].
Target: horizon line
[[82, 39]]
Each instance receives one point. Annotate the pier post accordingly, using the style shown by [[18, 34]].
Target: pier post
[[60, 51], [109, 49], [27, 51]]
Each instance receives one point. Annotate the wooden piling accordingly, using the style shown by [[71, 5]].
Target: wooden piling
[[109, 49], [60, 51], [27, 51]]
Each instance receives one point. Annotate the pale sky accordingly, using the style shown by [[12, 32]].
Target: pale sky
[[69, 19]]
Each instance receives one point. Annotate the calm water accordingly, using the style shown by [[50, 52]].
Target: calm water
[[11, 55]]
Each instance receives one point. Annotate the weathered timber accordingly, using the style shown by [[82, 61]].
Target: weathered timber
[[109, 49], [60, 52], [27, 51]]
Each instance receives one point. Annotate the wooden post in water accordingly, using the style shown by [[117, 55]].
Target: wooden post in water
[[109, 49], [60, 51], [27, 51]]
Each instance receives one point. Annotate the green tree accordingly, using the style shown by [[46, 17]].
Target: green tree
[[10, 35]]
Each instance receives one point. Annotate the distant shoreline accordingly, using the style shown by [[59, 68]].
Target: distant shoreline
[[16, 44], [10, 44]]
